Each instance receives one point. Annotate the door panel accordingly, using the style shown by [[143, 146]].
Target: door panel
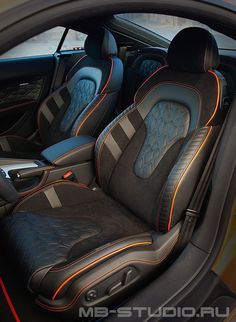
[[24, 83]]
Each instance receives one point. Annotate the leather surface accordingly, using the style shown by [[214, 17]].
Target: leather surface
[[15, 94], [81, 94], [166, 124], [92, 87], [162, 133], [193, 50], [71, 151], [189, 155], [100, 44]]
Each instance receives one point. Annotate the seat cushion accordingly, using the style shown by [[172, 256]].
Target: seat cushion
[[18, 147], [84, 220]]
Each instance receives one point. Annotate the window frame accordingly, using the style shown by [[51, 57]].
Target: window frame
[[57, 50], [63, 39]]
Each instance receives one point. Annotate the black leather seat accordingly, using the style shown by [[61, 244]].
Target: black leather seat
[[80, 247], [84, 104]]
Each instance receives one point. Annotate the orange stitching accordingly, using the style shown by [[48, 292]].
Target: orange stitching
[[109, 77], [170, 82], [183, 175], [218, 96], [55, 270], [9, 302], [127, 113], [97, 262], [159, 69], [73, 151], [102, 92], [74, 66], [91, 112], [148, 262]]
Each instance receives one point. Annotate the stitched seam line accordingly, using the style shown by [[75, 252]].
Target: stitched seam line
[[183, 175], [73, 151], [90, 113], [97, 262], [159, 69], [217, 99], [167, 249]]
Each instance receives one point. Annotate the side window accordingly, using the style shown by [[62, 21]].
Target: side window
[[74, 40], [45, 43], [168, 26]]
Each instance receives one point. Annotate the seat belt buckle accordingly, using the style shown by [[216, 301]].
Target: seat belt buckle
[[69, 175], [191, 215]]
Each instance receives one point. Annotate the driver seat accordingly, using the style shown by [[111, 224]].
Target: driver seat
[[77, 247]]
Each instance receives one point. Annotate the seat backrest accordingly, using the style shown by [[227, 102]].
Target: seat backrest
[[151, 156], [84, 104], [147, 61]]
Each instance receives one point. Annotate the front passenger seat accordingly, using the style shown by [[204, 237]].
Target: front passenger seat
[[84, 104], [79, 247]]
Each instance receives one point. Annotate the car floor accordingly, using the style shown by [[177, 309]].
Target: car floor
[[16, 303]]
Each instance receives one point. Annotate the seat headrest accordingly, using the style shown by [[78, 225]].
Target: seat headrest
[[193, 50], [100, 44]]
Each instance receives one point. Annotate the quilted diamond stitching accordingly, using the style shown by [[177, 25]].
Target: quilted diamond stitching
[[148, 67], [166, 123], [14, 94], [50, 238], [81, 94]]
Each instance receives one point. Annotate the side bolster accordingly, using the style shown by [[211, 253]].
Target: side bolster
[[57, 280], [182, 180], [51, 108], [139, 255], [105, 161]]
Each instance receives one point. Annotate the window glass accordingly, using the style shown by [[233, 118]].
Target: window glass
[[169, 26], [45, 43], [74, 40]]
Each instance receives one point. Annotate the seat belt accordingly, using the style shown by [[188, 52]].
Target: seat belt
[[192, 214]]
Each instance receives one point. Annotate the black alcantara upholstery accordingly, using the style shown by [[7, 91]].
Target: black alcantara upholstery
[[84, 104], [68, 242]]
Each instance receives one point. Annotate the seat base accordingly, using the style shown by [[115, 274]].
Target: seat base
[[81, 221]]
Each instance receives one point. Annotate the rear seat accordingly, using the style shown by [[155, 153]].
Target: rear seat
[[146, 62]]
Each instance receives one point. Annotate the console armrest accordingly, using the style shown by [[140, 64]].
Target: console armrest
[[71, 151]]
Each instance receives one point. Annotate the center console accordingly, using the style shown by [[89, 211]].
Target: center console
[[71, 159]]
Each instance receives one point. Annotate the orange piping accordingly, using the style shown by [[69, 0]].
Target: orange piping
[[74, 66], [91, 112], [181, 179], [97, 262], [9, 302], [218, 96], [148, 79], [109, 77]]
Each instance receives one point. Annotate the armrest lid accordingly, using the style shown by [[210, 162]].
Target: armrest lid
[[71, 151]]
